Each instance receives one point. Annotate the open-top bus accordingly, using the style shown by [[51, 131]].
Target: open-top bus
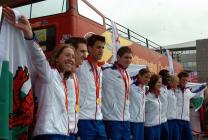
[[53, 21]]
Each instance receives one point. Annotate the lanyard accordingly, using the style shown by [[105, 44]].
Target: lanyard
[[76, 86], [96, 76], [126, 81], [66, 100], [66, 95]]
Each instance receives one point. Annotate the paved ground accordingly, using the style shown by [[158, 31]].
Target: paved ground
[[204, 138]]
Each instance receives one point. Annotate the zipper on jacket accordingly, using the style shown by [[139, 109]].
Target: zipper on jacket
[[96, 111], [124, 107], [75, 126], [66, 103], [182, 105], [143, 107], [159, 109]]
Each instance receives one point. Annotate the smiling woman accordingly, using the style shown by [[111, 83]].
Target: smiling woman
[[59, 59]]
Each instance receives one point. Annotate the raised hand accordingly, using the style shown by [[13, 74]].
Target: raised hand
[[22, 24]]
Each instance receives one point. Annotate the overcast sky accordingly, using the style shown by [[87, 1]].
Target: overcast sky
[[162, 21]]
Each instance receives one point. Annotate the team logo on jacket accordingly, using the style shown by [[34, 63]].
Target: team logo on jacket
[[119, 77]]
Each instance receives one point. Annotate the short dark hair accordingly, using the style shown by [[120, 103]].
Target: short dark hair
[[164, 74], [93, 38], [153, 80], [75, 41], [123, 50], [144, 71], [183, 74]]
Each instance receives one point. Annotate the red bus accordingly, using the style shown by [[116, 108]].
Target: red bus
[[53, 21]]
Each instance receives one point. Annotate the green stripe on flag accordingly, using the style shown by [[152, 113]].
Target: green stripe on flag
[[197, 102], [6, 100]]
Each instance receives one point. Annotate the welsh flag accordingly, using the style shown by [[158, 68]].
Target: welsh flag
[[16, 97], [198, 89]]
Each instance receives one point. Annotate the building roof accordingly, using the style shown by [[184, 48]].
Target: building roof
[[190, 44]]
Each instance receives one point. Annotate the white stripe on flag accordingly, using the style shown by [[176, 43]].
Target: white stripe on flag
[[0, 16], [115, 41], [170, 61]]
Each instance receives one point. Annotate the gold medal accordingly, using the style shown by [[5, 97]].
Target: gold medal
[[77, 108], [98, 101]]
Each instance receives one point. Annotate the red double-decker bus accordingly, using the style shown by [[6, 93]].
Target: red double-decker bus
[[53, 21]]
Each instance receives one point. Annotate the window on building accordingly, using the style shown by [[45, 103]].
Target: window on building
[[185, 65], [189, 65], [188, 51], [192, 51], [194, 64], [177, 55]]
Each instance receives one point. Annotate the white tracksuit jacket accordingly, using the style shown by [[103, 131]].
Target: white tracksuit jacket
[[164, 102], [172, 105], [115, 106], [183, 103], [87, 98], [137, 101], [152, 110], [52, 116], [73, 114]]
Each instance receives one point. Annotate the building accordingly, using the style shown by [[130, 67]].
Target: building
[[193, 56]]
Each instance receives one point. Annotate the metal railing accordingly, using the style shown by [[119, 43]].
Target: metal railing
[[135, 37]]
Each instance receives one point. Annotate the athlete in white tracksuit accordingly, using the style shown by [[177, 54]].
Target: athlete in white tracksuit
[[172, 106], [164, 94], [116, 84], [153, 109], [90, 124], [183, 96], [54, 115], [138, 90], [79, 44]]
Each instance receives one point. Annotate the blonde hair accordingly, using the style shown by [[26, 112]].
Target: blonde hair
[[174, 79]]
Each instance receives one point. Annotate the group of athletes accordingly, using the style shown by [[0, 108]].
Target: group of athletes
[[79, 96]]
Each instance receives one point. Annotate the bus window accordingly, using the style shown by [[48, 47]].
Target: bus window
[[44, 8], [46, 38], [88, 12], [25, 10], [48, 7]]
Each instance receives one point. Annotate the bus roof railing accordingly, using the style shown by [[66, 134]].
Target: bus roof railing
[[133, 36]]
